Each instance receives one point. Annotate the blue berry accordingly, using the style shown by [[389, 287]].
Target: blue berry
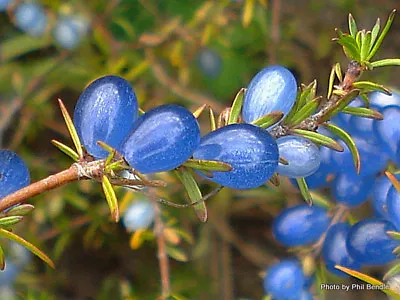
[[106, 111], [388, 129], [285, 280], [379, 195], [393, 206], [362, 127], [342, 119], [9, 274], [302, 155], [370, 151], [162, 139], [210, 62], [4, 4], [369, 244], [382, 100], [66, 33], [139, 215], [352, 189], [272, 89], [14, 173], [300, 225], [31, 18], [250, 150], [81, 24], [325, 171], [334, 250]]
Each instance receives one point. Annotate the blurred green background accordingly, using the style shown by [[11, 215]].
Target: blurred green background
[[172, 51]]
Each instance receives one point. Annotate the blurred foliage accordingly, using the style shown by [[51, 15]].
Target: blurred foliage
[[156, 46]]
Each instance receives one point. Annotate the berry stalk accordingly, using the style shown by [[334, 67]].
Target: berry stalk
[[162, 254]]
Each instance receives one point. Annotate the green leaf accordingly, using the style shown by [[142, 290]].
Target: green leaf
[[10, 220], [365, 44], [364, 99], [105, 146], [394, 234], [305, 94], [269, 119], [305, 111], [321, 200], [368, 86], [350, 46], [368, 279], [375, 32], [392, 271], [338, 71], [386, 62], [213, 124], [352, 26], [331, 82], [71, 128], [177, 297], [111, 198], [61, 245], [320, 276], [2, 259], [236, 107], [12, 236], [126, 26], [199, 111], [208, 165], [363, 112], [20, 45], [66, 150], [176, 253], [194, 193], [20, 210], [394, 181], [346, 138], [380, 39], [358, 39], [318, 138], [339, 105], [305, 192]]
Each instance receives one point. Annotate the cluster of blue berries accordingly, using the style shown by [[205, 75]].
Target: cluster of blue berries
[[165, 137], [367, 241], [33, 19]]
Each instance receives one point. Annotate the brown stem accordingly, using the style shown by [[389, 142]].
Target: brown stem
[[252, 253], [46, 184], [275, 32], [162, 253], [161, 75], [340, 213]]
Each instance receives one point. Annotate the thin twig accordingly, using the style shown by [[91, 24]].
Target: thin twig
[[162, 253], [252, 253], [53, 181], [161, 75], [339, 215], [17, 102], [275, 32]]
